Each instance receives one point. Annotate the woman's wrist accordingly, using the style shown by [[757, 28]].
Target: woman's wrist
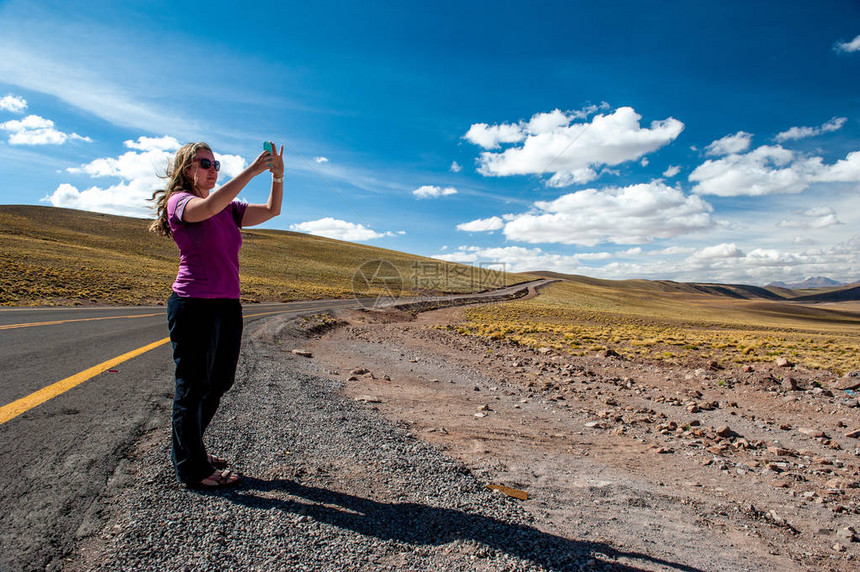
[[277, 178]]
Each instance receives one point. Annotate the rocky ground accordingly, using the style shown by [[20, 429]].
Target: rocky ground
[[680, 463], [369, 446]]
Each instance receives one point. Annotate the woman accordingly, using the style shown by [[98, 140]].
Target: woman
[[203, 313]]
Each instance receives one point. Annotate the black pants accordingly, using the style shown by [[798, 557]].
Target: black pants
[[206, 336]]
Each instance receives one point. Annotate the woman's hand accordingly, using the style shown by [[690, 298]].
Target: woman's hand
[[263, 162], [276, 162], [269, 161]]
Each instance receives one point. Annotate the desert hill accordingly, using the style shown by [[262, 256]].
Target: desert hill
[[840, 293], [54, 256]]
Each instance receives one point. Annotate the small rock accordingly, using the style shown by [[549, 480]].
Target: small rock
[[838, 547], [854, 434], [303, 353], [611, 353], [714, 365], [484, 408], [544, 351], [848, 534], [595, 425], [359, 371], [783, 362], [789, 384], [368, 399], [847, 383], [779, 451], [724, 431], [814, 433]]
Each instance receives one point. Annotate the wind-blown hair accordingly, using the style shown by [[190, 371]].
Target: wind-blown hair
[[177, 181]]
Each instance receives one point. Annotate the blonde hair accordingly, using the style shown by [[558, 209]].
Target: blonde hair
[[177, 181]]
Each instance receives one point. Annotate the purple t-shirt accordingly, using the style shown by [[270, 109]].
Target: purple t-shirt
[[208, 250]]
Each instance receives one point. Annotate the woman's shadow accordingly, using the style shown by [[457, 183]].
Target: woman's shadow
[[423, 525]]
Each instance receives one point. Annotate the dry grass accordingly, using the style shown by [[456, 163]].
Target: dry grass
[[55, 256], [640, 320]]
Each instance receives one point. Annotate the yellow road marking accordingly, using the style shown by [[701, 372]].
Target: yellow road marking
[[24, 404], [56, 322]]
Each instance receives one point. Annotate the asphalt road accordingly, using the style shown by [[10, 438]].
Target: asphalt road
[[56, 458], [58, 453]]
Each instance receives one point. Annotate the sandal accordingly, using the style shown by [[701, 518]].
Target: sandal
[[217, 462], [217, 480]]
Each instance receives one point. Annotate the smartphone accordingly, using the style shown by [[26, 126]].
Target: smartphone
[[267, 146]]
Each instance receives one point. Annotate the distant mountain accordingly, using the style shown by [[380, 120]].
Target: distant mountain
[[812, 282]]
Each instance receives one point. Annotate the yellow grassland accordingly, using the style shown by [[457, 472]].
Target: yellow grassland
[[638, 319], [51, 256]]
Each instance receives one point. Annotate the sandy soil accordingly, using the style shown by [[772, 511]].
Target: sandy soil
[[682, 464]]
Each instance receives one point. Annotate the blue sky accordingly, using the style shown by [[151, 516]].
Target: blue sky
[[695, 141]]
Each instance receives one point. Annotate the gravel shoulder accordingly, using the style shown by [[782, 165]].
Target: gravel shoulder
[[373, 452]]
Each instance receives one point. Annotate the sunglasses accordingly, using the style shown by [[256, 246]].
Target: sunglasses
[[207, 164]]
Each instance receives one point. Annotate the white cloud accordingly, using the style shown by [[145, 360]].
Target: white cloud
[[730, 144], [514, 259], [770, 170], [726, 263], [847, 47], [149, 161], [718, 251], [802, 132], [817, 217], [321, 159], [555, 143], [671, 171], [13, 103], [490, 137], [338, 229], [143, 143], [431, 192], [628, 215], [845, 170], [139, 172], [126, 198], [568, 178], [672, 251], [455, 167], [482, 225], [36, 130]]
